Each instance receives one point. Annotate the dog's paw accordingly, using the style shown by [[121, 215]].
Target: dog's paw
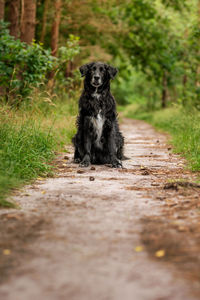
[[77, 160], [84, 164], [116, 164]]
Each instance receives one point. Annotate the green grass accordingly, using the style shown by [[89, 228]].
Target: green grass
[[183, 126], [29, 138]]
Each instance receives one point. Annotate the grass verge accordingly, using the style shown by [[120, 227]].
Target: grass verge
[[29, 138], [183, 126]]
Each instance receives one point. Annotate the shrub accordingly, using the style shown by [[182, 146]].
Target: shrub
[[22, 66]]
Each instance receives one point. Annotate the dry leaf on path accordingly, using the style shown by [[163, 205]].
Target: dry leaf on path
[[6, 252], [40, 178], [139, 248], [160, 253]]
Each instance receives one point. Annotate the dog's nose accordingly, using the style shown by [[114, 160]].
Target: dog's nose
[[96, 77]]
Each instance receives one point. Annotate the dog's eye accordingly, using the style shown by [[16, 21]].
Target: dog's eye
[[101, 69], [94, 69]]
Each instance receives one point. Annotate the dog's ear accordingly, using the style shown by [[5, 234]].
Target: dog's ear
[[112, 71], [84, 69]]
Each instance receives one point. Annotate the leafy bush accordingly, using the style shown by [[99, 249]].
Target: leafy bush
[[66, 54], [22, 66]]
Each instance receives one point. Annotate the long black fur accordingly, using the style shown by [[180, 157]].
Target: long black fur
[[95, 101]]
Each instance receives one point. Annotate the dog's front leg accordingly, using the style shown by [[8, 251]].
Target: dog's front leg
[[87, 143], [113, 152]]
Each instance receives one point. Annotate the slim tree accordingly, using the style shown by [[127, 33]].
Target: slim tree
[[55, 27], [198, 67], [13, 17], [2, 4], [164, 90], [28, 15], [44, 20]]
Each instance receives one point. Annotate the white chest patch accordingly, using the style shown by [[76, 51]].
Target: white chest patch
[[96, 95], [98, 123]]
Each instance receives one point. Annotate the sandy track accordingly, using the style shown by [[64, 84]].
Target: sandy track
[[76, 238]]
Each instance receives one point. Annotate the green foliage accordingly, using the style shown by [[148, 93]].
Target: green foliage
[[150, 43], [22, 66], [66, 54], [71, 49], [176, 4], [191, 61], [159, 40]]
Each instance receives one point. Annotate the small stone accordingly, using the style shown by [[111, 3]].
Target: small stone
[[80, 171], [66, 157], [146, 172], [92, 178], [92, 168]]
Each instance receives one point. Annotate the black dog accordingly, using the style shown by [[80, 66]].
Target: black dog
[[98, 139]]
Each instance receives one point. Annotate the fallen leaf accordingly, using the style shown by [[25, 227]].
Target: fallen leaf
[[13, 216], [142, 167], [155, 184], [43, 192], [68, 170], [182, 228], [160, 253], [139, 248], [176, 222], [6, 252]]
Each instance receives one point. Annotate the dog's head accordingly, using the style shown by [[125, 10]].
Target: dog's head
[[97, 73]]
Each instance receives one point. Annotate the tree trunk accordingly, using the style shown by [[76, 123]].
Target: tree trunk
[[198, 67], [164, 91], [69, 68], [185, 80], [13, 17], [55, 27], [2, 5], [28, 14], [44, 20], [55, 38]]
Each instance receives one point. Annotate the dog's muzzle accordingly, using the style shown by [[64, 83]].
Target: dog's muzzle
[[96, 81]]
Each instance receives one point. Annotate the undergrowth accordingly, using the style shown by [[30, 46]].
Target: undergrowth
[[183, 126], [29, 138]]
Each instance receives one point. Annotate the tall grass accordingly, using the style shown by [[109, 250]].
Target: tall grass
[[183, 126], [29, 138], [25, 151]]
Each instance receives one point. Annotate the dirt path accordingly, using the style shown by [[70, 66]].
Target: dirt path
[[106, 234]]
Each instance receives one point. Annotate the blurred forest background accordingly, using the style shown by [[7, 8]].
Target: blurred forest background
[[153, 43]]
